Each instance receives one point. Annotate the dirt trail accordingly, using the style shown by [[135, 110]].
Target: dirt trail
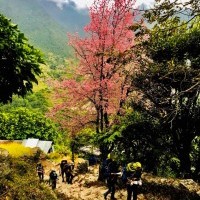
[[85, 186]]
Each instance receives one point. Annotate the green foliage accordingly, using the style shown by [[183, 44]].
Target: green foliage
[[21, 123], [173, 46], [163, 10], [60, 68], [195, 154], [36, 101], [19, 181], [168, 166], [19, 62], [85, 137], [142, 139], [62, 143], [170, 85]]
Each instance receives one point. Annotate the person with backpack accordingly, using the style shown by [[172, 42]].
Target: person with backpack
[[112, 172], [40, 171], [133, 176], [104, 167], [63, 165], [68, 172], [53, 179]]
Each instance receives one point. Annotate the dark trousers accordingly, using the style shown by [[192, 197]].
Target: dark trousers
[[111, 189], [53, 184], [69, 177], [63, 175], [132, 190]]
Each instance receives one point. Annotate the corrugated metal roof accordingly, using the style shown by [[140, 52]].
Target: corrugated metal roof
[[42, 144], [30, 142]]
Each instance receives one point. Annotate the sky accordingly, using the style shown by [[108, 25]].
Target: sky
[[86, 3]]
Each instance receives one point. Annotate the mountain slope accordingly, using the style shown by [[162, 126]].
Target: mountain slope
[[42, 22], [69, 16]]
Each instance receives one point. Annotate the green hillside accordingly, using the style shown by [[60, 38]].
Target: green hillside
[[39, 27], [73, 19]]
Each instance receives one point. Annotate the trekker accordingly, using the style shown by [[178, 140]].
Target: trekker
[[112, 174], [68, 171], [62, 171], [133, 172], [53, 179], [40, 171]]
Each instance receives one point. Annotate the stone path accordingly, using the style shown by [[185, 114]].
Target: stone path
[[85, 186]]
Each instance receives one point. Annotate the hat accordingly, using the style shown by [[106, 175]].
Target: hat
[[133, 166], [138, 165]]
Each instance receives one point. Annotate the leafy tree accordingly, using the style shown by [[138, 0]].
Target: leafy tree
[[21, 123], [19, 62], [140, 137], [163, 10], [101, 84], [35, 101], [170, 84], [98, 84]]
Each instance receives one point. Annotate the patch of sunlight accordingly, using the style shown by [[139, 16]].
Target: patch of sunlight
[[16, 150]]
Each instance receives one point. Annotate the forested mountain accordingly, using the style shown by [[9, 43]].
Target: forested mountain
[[44, 24], [68, 16]]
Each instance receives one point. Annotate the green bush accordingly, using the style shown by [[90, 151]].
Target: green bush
[[18, 180]]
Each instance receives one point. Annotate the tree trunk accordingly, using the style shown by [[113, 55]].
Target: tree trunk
[[182, 142], [103, 157], [105, 150], [72, 149], [184, 156], [196, 175]]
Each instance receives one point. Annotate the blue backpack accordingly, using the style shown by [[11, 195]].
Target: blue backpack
[[53, 175], [105, 168], [124, 174]]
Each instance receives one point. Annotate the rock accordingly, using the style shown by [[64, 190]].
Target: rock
[[188, 184], [163, 186], [4, 152], [82, 167]]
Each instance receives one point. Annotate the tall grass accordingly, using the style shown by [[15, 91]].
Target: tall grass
[[16, 150]]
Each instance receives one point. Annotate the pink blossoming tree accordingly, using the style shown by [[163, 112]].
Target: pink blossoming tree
[[101, 83]]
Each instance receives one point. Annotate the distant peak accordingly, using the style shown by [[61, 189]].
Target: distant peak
[[77, 4], [61, 3]]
